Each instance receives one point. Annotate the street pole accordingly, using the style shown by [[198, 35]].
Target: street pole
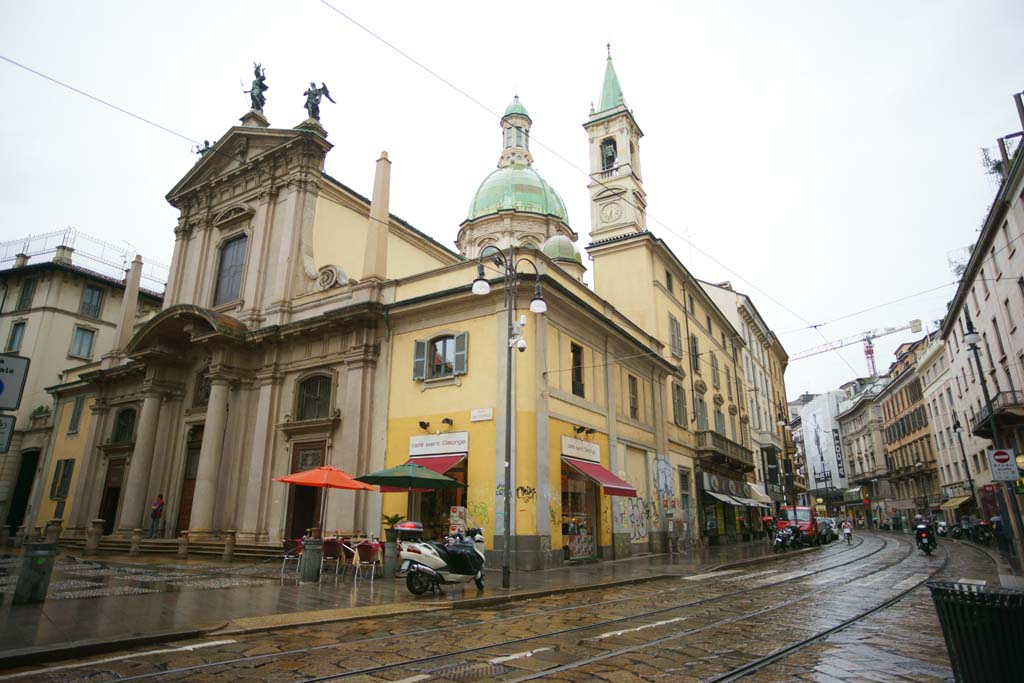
[[963, 454], [972, 344]]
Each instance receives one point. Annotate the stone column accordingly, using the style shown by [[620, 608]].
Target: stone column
[[262, 442], [209, 460], [133, 509], [91, 473]]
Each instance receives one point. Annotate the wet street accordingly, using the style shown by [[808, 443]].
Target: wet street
[[771, 621]]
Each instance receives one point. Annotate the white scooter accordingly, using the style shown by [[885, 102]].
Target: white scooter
[[429, 564]]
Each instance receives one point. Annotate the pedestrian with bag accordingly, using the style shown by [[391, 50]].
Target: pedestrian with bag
[[155, 513]]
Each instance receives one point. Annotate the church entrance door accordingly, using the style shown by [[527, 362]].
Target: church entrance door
[[304, 501], [188, 482], [112, 493]]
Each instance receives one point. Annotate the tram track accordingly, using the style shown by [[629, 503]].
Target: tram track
[[256, 660]]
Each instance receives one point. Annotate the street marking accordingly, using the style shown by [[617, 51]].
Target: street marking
[[518, 655], [186, 648], [708, 575], [751, 576], [612, 634], [972, 582]]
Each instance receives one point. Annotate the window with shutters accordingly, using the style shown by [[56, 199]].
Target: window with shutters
[[716, 378], [668, 281], [694, 353], [678, 404], [76, 415], [702, 413], [441, 357], [81, 343], [634, 398], [314, 400], [28, 291], [576, 359], [728, 383], [719, 421], [675, 336], [229, 273], [61, 483], [92, 301], [15, 338]]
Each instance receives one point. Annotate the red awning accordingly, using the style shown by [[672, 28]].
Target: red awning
[[438, 463], [610, 484]]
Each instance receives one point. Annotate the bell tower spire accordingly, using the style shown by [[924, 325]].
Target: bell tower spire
[[617, 200]]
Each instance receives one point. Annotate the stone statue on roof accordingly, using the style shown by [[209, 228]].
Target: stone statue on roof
[[259, 86], [313, 95]]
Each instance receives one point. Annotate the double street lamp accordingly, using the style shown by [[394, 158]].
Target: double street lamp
[[509, 265], [972, 339], [963, 454]]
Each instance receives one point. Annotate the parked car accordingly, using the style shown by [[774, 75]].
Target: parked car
[[803, 518]]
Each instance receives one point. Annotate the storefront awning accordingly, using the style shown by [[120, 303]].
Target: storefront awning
[[610, 484], [757, 493], [722, 497], [436, 463], [954, 503], [750, 503]]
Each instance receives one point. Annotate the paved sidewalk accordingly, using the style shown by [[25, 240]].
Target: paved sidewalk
[[111, 601]]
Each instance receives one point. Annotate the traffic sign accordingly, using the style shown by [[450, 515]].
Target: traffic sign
[[6, 432], [13, 371], [1004, 465]]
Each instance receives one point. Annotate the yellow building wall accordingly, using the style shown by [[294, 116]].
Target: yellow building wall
[[630, 295], [65, 447]]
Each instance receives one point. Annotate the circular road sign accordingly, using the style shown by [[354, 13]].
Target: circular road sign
[[1001, 457]]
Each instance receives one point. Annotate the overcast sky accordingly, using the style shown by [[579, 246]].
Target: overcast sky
[[824, 154]]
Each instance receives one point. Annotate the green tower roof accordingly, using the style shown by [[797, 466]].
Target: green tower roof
[[518, 188], [560, 248], [516, 108], [611, 92]]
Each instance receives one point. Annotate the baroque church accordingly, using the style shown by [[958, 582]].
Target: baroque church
[[304, 324]]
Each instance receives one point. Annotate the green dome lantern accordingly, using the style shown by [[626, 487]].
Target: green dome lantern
[[561, 248], [516, 108]]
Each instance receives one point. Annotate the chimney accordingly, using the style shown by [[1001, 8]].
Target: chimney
[[20, 260], [129, 309], [375, 259], [62, 254]]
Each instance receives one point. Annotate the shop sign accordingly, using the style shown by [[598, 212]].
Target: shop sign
[[481, 414], [577, 448], [439, 444]]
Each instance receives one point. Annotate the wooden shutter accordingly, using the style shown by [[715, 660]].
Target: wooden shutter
[[461, 354], [419, 360]]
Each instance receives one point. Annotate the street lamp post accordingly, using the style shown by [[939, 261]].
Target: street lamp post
[[972, 339], [963, 454], [509, 264]]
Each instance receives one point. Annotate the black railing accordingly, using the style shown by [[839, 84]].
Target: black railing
[[1002, 403], [724, 451]]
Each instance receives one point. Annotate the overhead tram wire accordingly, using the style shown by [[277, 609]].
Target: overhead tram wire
[[565, 160]]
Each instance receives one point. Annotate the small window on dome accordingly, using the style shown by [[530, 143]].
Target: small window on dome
[[508, 138], [519, 137], [527, 134]]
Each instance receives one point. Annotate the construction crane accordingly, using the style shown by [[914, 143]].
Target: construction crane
[[866, 337]]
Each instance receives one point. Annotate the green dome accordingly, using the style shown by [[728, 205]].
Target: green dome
[[516, 108], [560, 248], [517, 188]]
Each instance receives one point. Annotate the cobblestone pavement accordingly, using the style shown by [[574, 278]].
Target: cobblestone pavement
[[680, 629]]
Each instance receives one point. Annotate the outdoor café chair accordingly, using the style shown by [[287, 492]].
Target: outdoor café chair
[[366, 556], [292, 553], [348, 555], [331, 553]]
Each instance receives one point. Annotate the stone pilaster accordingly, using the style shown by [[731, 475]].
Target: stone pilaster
[[133, 508], [201, 523]]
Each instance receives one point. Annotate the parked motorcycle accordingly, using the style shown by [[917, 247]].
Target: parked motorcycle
[[925, 538], [942, 529], [428, 565], [956, 531], [983, 533], [783, 539]]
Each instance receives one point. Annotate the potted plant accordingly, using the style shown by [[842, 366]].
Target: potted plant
[[391, 533]]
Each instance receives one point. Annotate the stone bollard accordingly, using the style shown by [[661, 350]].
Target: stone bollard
[[229, 545], [183, 545], [309, 561], [53, 530], [134, 550], [92, 537], [19, 537]]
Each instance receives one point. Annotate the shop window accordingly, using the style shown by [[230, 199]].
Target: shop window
[[124, 426], [434, 508], [61, 483], [15, 338], [81, 343], [579, 514], [314, 398], [440, 357], [76, 415], [28, 291], [92, 301], [576, 357], [229, 272], [634, 398]]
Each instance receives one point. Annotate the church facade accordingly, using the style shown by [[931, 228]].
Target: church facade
[[303, 324]]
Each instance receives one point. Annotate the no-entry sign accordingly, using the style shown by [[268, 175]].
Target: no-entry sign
[[1004, 465]]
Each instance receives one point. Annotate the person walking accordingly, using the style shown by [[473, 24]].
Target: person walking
[[847, 531], [155, 512]]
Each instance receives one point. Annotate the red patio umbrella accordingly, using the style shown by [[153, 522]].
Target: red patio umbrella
[[325, 477]]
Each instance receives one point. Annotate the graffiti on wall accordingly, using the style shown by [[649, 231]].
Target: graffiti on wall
[[479, 515], [526, 494], [639, 513]]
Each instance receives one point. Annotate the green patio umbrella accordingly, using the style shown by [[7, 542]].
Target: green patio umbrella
[[408, 477]]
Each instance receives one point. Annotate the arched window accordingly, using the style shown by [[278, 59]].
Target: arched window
[[314, 398], [229, 273], [124, 426], [608, 154]]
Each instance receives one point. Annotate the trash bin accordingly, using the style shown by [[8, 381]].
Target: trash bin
[[34, 576], [983, 627]]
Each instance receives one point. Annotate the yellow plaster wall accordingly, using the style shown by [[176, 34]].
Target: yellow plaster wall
[[630, 295], [65, 446]]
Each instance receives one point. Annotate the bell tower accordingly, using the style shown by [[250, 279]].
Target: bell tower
[[617, 200]]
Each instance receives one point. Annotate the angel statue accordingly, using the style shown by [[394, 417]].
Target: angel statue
[[313, 99], [259, 86]]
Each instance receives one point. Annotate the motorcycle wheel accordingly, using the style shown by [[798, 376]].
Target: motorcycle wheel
[[479, 581], [927, 550], [417, 583]]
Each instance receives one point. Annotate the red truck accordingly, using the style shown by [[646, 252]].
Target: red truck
[[803, 518]]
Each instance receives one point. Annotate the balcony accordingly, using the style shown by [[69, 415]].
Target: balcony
[[768, 439], [714, 448], [1009, 409]]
